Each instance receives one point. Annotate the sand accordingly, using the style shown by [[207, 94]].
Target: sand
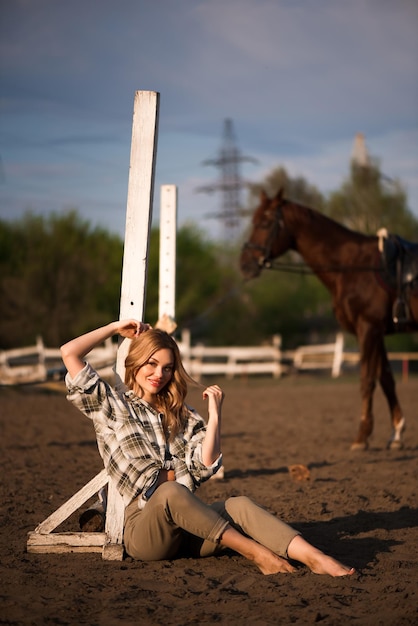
[[361, 507]]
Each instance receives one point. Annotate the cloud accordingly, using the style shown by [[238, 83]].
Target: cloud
[[298, 78]]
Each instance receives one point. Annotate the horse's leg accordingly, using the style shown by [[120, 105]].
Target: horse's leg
[[370, 359], [387, 382]]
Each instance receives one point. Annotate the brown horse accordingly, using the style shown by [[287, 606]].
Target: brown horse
[[364, 300]]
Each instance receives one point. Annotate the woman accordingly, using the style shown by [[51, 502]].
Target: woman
[[159, 451]]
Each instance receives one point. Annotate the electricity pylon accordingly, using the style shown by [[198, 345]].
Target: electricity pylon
[[230, 183]]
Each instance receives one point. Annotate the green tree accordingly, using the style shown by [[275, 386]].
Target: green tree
[[368, 201], [297, 189], [59, 277], [297, 307]]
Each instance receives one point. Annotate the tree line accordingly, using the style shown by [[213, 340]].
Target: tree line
[[60, 277]]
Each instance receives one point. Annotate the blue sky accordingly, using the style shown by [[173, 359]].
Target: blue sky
[[299, 78]]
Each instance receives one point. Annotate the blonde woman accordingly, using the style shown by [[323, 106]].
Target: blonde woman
[[158, 451]]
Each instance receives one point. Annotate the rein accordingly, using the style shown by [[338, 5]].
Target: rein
[[297, 268]]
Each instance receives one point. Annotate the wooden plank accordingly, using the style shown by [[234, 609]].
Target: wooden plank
[[64, 549], [71, 539], [65, 542], [73, 503]]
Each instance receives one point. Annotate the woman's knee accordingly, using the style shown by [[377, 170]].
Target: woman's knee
[[171, 491], [243, 512], [237, 504]]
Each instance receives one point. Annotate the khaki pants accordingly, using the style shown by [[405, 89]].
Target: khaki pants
[[174, 522]]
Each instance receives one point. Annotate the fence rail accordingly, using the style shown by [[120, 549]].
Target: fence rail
[[36, 364], [230, 361], [325, 356]]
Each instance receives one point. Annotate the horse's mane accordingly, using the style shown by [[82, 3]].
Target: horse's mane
[[299, 215], [315, 217]]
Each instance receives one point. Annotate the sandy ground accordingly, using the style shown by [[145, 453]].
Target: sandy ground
[[360, 507]]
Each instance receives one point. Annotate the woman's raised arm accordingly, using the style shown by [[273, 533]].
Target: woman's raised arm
[[74, 351]]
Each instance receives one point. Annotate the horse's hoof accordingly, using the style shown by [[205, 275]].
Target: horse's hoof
[[359, 446], [395, 445]]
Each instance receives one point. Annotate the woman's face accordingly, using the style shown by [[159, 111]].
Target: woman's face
[[155, 374]]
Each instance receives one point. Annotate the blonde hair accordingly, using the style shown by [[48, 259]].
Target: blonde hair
[[172, 396]]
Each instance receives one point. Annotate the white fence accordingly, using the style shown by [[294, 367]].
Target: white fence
[[37, 363], [23, 365], [231, 361], [325, 356]]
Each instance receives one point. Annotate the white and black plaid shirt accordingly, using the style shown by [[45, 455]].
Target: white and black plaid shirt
[[131, 439]]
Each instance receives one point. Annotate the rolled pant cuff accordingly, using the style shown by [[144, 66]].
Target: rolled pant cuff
[[218, 530]]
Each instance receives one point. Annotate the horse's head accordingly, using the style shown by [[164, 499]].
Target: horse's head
[[263, 244]]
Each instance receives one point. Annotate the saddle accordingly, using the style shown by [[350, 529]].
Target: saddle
[[400, 265]]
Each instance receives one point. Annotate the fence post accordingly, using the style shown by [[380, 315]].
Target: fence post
[[338, 355], [277, 343], [185, 349], [167, 270]]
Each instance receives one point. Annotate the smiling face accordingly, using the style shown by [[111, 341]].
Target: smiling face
[[154, 375]]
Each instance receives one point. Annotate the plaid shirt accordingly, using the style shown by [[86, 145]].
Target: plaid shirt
[[131, 439]]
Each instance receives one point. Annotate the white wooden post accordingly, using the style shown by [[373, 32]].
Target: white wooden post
[[135, 266], [338, 355], [138, 214], [168, 232]]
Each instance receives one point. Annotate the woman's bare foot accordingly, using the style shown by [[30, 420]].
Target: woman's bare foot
[[270, 563], [318, 562], [324, 564]]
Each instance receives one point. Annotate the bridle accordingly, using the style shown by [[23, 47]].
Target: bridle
[[265, 260]]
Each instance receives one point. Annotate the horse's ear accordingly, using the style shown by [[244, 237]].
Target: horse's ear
[[263, 196], [279, 195]]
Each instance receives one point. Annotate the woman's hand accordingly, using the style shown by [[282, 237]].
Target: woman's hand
[[211, 446], [215, 397], [131, 328]]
